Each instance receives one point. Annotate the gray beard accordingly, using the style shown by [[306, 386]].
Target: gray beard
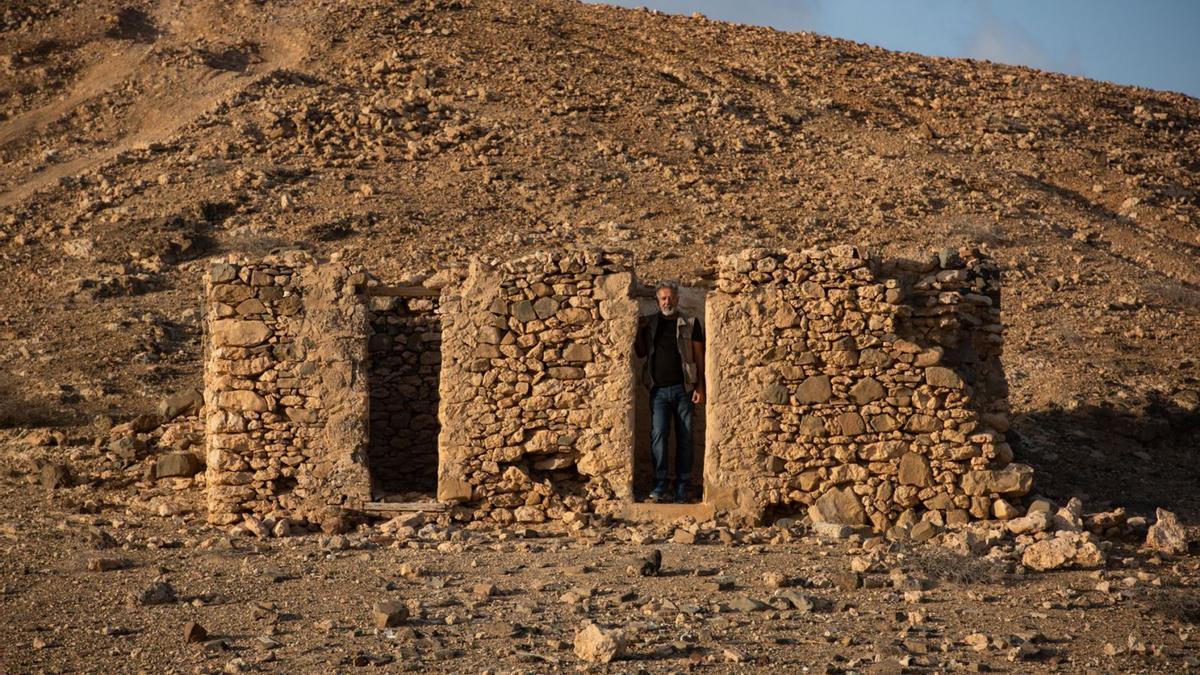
[[669, 313]]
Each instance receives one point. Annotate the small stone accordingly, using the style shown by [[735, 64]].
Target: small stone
[[1013, 480], [775, 394], [577, 353], [523, 311], [847, 581], [774, 580], [1034, 521], [651, 565], [53, 476], [239, 333], [1068, 549], [194, 632], [976, 641], [158, 593], [744, 603], [282, 528], [922, 531], [484, 590], [545, 308], [860, 564], [182, 401], [735, 655], [832, 530], [256, 526], [1003, 510], [915, 470], [683, 536], [176, 465], [336, 524], [1041, 505], [107, 564], [388, 614], [599, 645]]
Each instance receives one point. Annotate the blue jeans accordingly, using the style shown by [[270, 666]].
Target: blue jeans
[[666, 404]]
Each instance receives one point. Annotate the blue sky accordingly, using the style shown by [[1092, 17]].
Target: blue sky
[[1149, 43]]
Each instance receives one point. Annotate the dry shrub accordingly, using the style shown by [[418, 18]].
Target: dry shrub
[[946, 565]]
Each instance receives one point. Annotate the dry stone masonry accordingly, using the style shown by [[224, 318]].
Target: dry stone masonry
[[856, 390], [537, 386], [286, 389], [867, 393]]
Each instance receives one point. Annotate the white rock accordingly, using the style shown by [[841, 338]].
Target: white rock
[[1166, 535], [599, 645]]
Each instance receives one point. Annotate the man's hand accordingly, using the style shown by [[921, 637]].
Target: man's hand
[[698, 395]]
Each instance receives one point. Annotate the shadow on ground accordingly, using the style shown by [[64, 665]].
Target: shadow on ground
[[1136, 458]]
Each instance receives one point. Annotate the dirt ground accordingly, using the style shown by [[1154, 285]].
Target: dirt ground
[[140, 141], [303, 603]]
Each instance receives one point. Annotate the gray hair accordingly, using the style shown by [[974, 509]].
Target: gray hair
[[672, 285]]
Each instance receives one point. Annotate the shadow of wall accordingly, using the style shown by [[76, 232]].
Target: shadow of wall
[[1141, 457]]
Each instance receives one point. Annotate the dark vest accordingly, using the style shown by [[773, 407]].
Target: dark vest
[[684, 329]]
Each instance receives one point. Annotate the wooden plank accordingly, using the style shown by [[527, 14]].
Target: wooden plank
[[403, 507], [404, 291]]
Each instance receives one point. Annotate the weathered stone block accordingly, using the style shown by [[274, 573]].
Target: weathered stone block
[[839, 506], [577, 352], [816, 389], [241, 400], [938, 376], [1013, 480], [915, 470], [866, 390], [239, 332], [176, 465]]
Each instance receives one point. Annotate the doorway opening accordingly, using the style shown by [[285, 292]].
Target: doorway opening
[[404, 353], [691, 304]]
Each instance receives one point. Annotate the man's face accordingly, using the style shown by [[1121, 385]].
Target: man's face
[[668, 300]]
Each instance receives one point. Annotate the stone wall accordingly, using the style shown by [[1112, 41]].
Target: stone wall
[[285, 388], [858, 391], [537, 386], [405, 351], [842, 386]]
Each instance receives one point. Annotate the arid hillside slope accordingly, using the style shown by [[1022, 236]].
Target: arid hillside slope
[[141, 140]]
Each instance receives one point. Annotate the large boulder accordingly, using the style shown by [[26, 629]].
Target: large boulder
[[1166, 535], [840, 506]]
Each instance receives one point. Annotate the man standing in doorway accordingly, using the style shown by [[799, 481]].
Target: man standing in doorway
[[673, 348]]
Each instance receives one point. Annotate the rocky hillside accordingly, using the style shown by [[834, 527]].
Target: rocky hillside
[[141, 140]]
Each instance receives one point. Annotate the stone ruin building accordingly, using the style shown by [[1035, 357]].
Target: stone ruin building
[[841, 386]]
